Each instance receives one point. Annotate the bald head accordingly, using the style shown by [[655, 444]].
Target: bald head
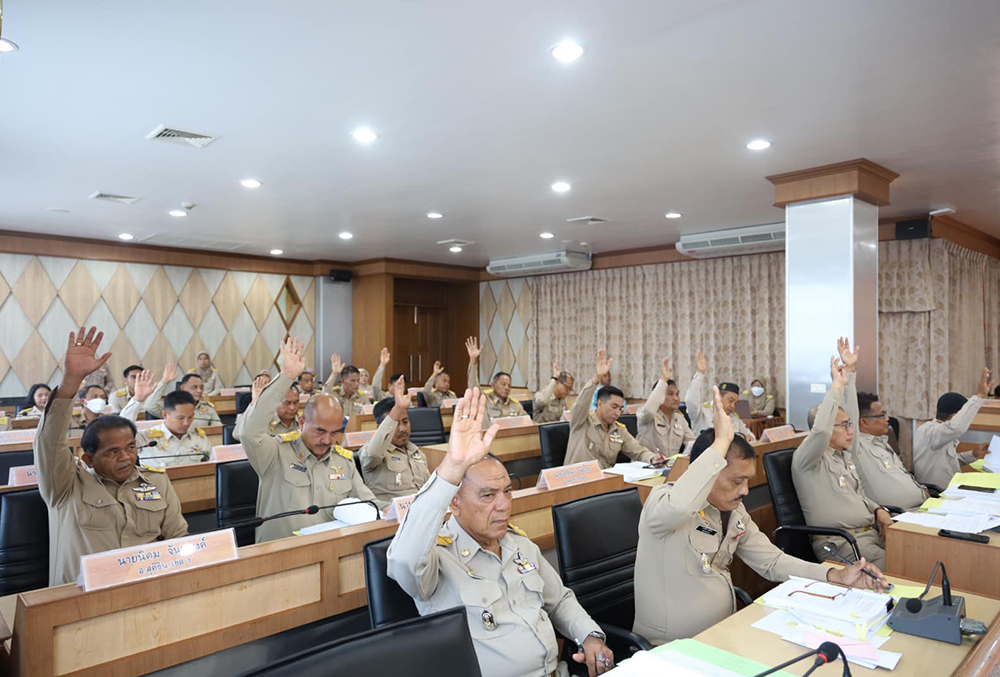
[[483, 503], [323, 419]]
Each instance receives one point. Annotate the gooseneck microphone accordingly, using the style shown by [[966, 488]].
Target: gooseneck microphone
[[311, 510], [827, 652]]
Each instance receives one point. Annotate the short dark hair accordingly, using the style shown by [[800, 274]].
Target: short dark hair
[[348, 370], [607, 392], [564, 377], [177, 398], [30, 402], [739, 445], [496, 376], [382, 409], [865, 402], [670, 382], [130, 368], [91, 440], [395, 377], [188, 377], [86, 389]]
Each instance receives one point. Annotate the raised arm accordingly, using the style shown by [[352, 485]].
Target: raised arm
[[545, 395], [429, 386], [698, 392], [373, 453], [807, 456], [958, 424], [144, 386], [472, 347], [260, 447], [581, 408], [378, 378], [659, 393], [335, 368], [850, 361]]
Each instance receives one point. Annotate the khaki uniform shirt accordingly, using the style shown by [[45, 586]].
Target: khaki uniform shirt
[[213, 384], [276, 427], [883, 475], [763, 405], [935, 446], [291, 477], [90, 514], [682, 563], [658, 433], [828, 485], [366, 394], [102, 377], [191, 447], [547, 408], [589, 440], [392, 471], [514, 603], [433, 397], [699, 399], [118, 399], [205, 414], [5, 422]]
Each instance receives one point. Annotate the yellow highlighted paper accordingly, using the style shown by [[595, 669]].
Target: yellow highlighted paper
[[976, 479]]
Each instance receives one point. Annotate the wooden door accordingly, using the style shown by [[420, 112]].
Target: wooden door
[[418, 340]]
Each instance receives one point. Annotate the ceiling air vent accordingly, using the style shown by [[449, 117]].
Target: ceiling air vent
[[456, 243], [111, 197], [587, 220], [164, 133]]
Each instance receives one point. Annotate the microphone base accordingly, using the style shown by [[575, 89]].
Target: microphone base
[[935, 620]]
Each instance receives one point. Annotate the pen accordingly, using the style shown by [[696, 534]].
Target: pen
[[840, 558]]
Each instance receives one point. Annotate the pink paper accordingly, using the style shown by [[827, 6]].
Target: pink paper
[[852, 647]]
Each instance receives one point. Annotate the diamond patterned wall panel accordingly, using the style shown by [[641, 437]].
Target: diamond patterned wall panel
[[273, 282], [34, 291], [212, 279], [101, 272], [228, 300], [11, 385], [58, 268], [4, 290], [80, 293], [56, 326], [102, 318], [159, 297], [35, 362], [141, 329], [12, 265], [195, 298], [178, 276], [159, 351], [141, 274], [504, 327], [303, 329], [121, 296], [243, 330], [259, 301], [227, 360], [15, 328], [124, 355], [243, 377], [243, 281], [308, 303], [273, 332], [211, 331], [259, 356], [178, 330], [4, 366]]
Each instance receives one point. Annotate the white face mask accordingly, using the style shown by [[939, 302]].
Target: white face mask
[[757, 390], [96, 405]]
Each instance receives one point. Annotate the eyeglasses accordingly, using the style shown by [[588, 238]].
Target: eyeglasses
[[846, 425]]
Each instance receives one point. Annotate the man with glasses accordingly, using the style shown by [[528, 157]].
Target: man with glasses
[[825, 476], [883, 475], [303, 467]]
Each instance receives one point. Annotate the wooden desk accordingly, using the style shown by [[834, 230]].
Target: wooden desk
[[224, 404], [921, 657], [367, 421], [912, 551], [272, 587], [988, 417], [761, 423]]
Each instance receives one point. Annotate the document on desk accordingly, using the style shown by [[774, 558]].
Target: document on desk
[[319, 528], [961, 505], [691, 657], [966, 524], [862, 653], [849, 612], [634, 471], [987, 480]]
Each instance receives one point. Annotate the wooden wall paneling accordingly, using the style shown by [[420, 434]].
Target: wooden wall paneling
[[34, 291], [79, 293], [463, 321], [34, 363], [372, 308], [195, 299], [120, 294], [159, 296]]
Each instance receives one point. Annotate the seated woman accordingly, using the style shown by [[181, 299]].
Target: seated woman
[[761, 401], [34, 403]]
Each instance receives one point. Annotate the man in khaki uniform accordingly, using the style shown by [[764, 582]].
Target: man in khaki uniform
[[103, 501], [514, 600], [598, 434], [935, 444], [205, 414], [699, 402], [391, 464], [662, 427], [286, 415], [825, 476], [301, 468], [691, 530], [883, 475], [438, 387], [550, 402], [5, 422], [119, 398], [307, 383], [499, 403], [345, 384], [178, 440]]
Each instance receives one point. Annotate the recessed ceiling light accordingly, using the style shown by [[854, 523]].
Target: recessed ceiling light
[[546, 236], [455, 249], [567, 51], [759, 144], [177, 212], [364, 135], [126, 236], [6, 46], [435, 215], [673, 215], [346, 236], [277, 252], [561, 187], [250, 183]]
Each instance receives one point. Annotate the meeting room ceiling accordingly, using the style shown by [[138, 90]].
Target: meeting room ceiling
[[476, 120]]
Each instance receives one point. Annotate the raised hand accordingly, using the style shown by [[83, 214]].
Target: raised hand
[[336, 366], [291, 359], [258, 385], [399, 392], [169, 372], [986, 383], [666, 373], [838, 374], [81, 360], [848, 358], [603, 363], [467, 444], [701, 364], [556, 370], [472, 346], [384, 357], [721, 421], [437, 368], [145, 382]]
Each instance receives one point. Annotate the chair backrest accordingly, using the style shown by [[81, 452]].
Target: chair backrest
[[529, 406], [243, 399], [236, 497], [600, 570], [227, 434], [631, 423], [387, 602], [684, 410], [24, 541], [553, 438], [787, 509], [430, 646], [426, 426], [894, 424], [13, 459], [421, 400]]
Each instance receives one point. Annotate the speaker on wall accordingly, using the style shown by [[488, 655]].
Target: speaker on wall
[[913, 229], [337, 275]]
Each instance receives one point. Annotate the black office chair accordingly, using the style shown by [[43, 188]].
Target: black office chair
[[227, 434], [431, 646], [601, 570], [684, 410], [553, 438], [387, 602], [236, 497], [792, 534], [243, 399], [426, 427], [24, 541], [529, 406], [631, 423], [14, 459], [894, 424], [421, 400]]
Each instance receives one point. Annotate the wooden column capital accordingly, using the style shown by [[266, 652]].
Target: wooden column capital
[[861, 178]]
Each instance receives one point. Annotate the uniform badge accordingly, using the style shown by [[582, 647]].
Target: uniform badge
[[706, 530], [739, 525], [851, 466], [523, 565], [842, 482], [399, 479], [338, 476], [296, 466], [706, 566], [616, 437], [488, 622]]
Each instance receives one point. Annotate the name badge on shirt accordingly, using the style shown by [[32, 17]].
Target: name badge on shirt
[[523, 565], [842, 482], [706, 530], [296, 466]]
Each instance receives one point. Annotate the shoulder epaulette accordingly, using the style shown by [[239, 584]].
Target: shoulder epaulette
[[335, 388], [619, 423], [516, 530], [214, 369], [201, 433], [274, 425], [122, 393], [3, 420], [770, 397], [746, 392], [290, 437], [488, 391], [445, 540], [209, 403], [153, 469], [154, 432], [344, 452], [191, 371]]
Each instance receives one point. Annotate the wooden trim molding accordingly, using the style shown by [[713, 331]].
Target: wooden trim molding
[[861, 178], [950, 228], [416, 269]]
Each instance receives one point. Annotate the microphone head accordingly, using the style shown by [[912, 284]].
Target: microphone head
[[151, 443], [312, 510], [829, 650], [914, 605]]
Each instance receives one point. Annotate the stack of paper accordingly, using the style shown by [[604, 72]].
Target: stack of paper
[[846, 612], [992, 460], [634, 471], [690, 658], [963, 503], [962, 523]]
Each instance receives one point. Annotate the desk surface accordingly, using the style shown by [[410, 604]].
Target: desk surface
[[913, 550], [920, 657]]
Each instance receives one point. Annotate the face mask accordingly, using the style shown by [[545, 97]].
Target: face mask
[[96, 405], [757, 391]]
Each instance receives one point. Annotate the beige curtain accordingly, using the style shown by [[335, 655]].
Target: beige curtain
[[992, 313], [966, 318]]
